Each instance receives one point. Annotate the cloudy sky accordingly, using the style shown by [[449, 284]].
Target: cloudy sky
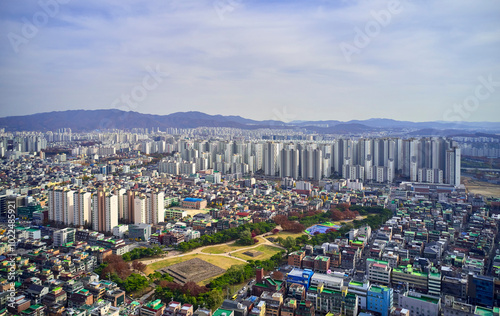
[[262, 59]]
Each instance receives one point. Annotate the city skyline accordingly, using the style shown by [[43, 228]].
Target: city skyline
[[283, 60], [111, 119]]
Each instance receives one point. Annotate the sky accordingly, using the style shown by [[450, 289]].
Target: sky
[[418, 60]]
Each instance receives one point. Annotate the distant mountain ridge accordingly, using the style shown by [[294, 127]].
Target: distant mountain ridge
[[90, 120]]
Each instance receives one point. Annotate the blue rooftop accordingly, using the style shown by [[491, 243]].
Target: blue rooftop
[[192, 200]]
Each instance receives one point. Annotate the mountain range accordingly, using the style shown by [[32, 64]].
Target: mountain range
[[91, 120]]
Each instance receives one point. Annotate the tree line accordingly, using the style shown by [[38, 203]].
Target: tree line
[[142, 252], [115, 269], [226, 235], [376, 217]]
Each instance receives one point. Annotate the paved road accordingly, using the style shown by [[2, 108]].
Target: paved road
[[177, 254]]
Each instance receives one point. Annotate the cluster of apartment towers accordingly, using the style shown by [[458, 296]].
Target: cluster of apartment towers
[[425, 160], [104, 208]]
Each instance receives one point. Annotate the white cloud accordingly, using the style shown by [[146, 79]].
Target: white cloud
[[262, 55]]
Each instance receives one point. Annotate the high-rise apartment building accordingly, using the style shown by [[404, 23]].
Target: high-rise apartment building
[[155, 207], [82, 208], [61, 205], [271, 158], [140, 209], [105, 211], [452, 172]]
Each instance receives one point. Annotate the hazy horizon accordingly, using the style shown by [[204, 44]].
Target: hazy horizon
[[261, 60], [297, 121]]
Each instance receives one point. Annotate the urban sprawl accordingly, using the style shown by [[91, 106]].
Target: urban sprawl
[[223, 222]]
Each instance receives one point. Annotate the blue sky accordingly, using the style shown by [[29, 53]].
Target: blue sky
[[286, 60]]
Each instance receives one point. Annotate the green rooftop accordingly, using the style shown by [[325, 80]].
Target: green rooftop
[[355, 283], [425, 299], [221, 311], [376, 289], [482, 311]]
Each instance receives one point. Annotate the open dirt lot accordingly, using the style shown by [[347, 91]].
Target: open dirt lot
[[480, 187]]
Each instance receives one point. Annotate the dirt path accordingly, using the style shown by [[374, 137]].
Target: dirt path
[[177, 254]]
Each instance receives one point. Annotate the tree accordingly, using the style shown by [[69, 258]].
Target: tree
[[337, 215], [343, 207], [289, 243], [139, 266], [280, 219], [246, 238], [135, 282], [214, 299], [297, 227], [280, 241], [116, 265]]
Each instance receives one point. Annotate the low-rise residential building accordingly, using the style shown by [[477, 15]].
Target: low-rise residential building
[[295, 258], [380, 300], [361, 290], [154, 308], [379, 273], [420, 304]]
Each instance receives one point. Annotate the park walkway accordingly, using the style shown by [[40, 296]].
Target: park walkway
[[177, 254]]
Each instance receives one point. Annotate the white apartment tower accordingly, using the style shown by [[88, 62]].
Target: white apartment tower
[[82, 208], [271, 158], [105, 211], [140, 210], [155, 208], [61, 205]]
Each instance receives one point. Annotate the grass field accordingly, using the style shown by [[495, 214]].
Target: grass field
[[218, 249], [267, 252], [284, 234], [221, 262]]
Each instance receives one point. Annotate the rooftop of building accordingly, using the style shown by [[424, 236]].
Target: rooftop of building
[[220, 312], [424, 298], [157, 304], [482, 311]]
